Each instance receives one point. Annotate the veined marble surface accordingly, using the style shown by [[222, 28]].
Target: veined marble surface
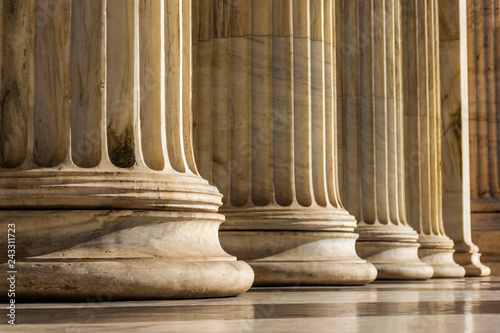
[[438, 305]]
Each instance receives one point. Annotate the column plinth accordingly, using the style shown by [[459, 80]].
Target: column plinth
[[97, 172], [393, 250], [266, 87], [372, 175], [296, 245], [438, 251]]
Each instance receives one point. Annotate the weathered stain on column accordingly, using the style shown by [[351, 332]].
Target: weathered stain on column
[[96, 160], [265, 85], [373, 132], [422, 104]]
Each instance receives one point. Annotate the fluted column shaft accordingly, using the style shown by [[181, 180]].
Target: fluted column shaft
[[96, 159], [89, 93], [484, 126], [422, 105], [484, 71], [265, 127], [455, 133], [373, 129]]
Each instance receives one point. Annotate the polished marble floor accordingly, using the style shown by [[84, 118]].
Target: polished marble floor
[[439, 305]]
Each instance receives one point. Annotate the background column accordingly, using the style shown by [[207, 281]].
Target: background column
[[455, 149], [265, 127], [96, 163], [483, 18], [422, 104], [372, 130]]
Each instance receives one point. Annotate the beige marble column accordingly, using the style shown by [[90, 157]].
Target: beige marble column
[[483, 19], [265, 128], [455, 133], [96, 163], [422, 106], [373, 129]]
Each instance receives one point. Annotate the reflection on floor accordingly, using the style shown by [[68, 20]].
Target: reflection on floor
[[441, 305]]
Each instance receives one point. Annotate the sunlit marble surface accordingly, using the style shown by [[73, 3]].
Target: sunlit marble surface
[[440, 305]]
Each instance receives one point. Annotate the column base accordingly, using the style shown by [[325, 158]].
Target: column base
[[119, 255], [437, 251], [300, 257], [485, 234], [468, 256], [393, 250], [130, 279]]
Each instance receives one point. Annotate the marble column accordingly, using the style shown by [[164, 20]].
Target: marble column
[[96, 164], [265, 128], [455, 134], [484, 126], [372, 129], [422, 107]]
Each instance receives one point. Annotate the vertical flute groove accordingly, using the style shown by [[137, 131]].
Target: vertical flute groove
[[331, 144], [151, 104], [52, 88], [186, 13], [87, 78], [318, 111], [174, 85], [121, 100], [261, 87], [16, 89], [283, 109], [240, 104], [302, 102], [203, 112]]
